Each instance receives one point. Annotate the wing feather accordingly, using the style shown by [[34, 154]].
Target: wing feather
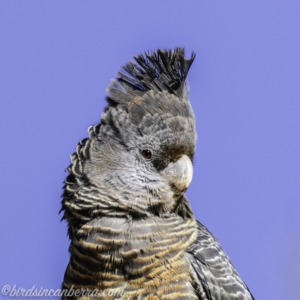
[[214, 270]]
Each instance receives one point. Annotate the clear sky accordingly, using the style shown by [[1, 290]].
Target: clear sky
[[56, 59]]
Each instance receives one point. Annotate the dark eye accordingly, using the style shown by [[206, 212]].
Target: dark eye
[[147, 154]]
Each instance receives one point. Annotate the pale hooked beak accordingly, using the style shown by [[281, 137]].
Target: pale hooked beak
[[179, 173]]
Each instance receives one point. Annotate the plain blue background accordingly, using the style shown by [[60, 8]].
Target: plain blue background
[[56, 59]]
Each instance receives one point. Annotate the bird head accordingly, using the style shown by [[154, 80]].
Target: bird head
[[138, 159]]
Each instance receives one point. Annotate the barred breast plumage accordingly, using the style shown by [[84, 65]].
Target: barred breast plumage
[[133, 259]]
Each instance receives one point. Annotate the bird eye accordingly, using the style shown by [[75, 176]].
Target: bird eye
[[147, 154]]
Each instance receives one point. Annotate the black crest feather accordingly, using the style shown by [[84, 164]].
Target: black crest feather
[[158, 71]]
